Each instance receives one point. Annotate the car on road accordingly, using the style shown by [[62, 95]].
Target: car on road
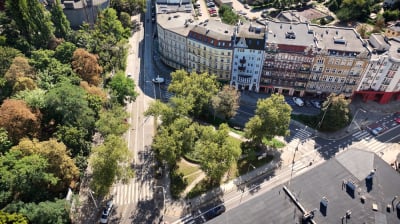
[[397, 120], [158, 80], [214, 212], [106, 212], [298, 101], [376, 131]]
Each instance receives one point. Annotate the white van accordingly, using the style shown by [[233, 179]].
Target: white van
[[298, 101]]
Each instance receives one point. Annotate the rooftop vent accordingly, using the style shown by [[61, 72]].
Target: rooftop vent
[[176, 16], [339, 40], [290, 35], [226, 31], [169, 18]]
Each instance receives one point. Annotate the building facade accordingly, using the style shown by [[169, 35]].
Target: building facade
[[210, 49], [291, 58], [381, 81], [248, 56], [288, 58]]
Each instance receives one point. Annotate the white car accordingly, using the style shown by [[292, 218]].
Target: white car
[[299, 102], [106, 212], [129, 74], [158, 80]]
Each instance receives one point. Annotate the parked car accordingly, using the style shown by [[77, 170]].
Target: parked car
[[106, 212], [298, 101], [376, 131], [158, 80], [316, 103], [246, 6], [214, 212], [308, 103], [397, 120]]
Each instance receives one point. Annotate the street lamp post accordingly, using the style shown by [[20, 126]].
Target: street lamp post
[[248, 169], [294, 157], [354, 119], [91, 195]]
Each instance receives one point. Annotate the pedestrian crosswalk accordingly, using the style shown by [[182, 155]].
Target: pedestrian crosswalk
[[132, 192], [374, 145], [362, 135], [302, 135]]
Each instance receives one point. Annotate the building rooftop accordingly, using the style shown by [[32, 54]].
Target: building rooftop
[[356, 180], [289, 34], [395, 26], [176, 22], [394, 50], [77, 4], [253, 35], [173, 6], [214, 33], [338, 38]]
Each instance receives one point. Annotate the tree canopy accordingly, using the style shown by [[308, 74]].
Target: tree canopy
[[18, 119], [122, 88], [335, 113], [217, 152], [60, 164], [113, 121], [226, 102], [272, 118], [86, 66], [197, 89], [110, 162], [32, 20]]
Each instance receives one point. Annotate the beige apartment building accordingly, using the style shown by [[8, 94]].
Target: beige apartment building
[[210, 49], [339, 62]]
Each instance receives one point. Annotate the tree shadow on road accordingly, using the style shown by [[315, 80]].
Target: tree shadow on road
[[146, 212]]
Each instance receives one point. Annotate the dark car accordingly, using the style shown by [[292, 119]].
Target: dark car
[[214, 212]]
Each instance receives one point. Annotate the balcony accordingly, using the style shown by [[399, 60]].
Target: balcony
[[243, 60], [242, 68]]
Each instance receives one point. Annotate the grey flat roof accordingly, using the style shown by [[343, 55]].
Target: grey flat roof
[[326, 180], [215, 29], [277, 33], [176, 22], [394, 50], [326, 36]]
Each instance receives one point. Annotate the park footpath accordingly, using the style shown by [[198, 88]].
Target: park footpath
[[175, 209]]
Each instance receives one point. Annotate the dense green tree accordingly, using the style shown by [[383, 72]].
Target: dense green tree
[[19, 120], [125, 19], [122, 88], [110, 41], [129, 6], [110, 162], [354, 10], [5, 142], [272, 118], [113, 121], [58, 158], [32, 20], [41, 59], [64, 52], [56, 212], [226, 102], [12, 218], [335, 113], [175, 108], [10, 34], [60, 21], [78, 141], [391, 15], [24, 178], [197, 89], [67, 105], [33, 98], [216, 151], [228, 15]]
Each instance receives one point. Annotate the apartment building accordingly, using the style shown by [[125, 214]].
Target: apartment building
[[291, 58], [289, 55], [381, 81], [210, 49], [172, 30], [249, 42], [339, 62]]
